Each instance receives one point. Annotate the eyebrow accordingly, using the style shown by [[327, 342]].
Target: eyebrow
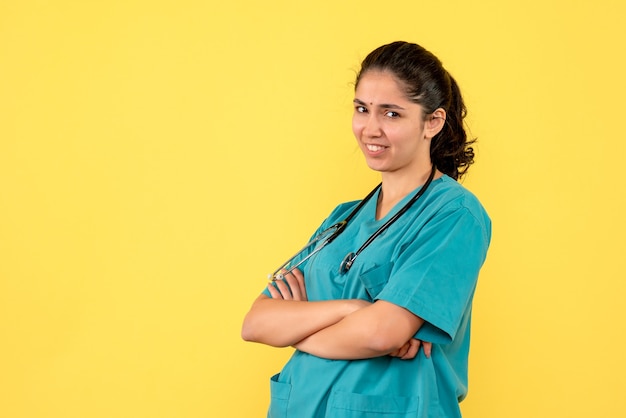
[[382, 105]]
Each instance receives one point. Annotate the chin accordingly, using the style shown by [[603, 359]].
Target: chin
[[377, 167]]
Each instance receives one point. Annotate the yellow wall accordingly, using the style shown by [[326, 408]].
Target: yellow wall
[[158, 159]]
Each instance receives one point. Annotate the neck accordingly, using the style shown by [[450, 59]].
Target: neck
[[396, 188]]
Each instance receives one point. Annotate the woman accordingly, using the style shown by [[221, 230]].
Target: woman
[[358, 316]]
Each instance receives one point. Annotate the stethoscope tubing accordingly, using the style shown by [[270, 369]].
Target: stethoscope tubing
[[340, 226], [347, 262]]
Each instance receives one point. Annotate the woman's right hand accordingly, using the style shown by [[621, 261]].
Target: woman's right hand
[[290, 287], [409, 350]]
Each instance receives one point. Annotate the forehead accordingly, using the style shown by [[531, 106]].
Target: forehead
[[380, 87]]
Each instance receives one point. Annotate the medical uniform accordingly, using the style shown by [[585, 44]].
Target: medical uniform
[[427, 261]]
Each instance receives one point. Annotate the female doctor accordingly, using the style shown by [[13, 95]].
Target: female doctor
[[378, 307]]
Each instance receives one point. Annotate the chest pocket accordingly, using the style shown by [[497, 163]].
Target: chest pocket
[[375, 278]]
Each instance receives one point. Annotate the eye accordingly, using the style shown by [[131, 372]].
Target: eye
[[392, 114], [360, 109]]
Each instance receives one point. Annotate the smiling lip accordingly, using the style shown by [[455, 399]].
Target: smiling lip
[[375, 149]]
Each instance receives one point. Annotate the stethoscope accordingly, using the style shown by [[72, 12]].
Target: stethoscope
[[329, 234]]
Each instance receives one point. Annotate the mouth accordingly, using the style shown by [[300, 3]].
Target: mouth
[[374, 148]]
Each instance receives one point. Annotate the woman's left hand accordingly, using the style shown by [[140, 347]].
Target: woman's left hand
[[409, 350], [290, 287]]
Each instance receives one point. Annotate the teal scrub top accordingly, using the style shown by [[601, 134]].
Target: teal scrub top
[[427, 261]]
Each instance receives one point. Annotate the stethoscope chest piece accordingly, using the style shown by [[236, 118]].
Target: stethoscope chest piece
[[347, 263]]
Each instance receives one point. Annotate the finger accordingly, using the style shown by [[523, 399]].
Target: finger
[[414, 346], [405, 349], [427, 347], [273, 291], [294, 286], [400, 352], [283, 289], [396, 352], [300, 276]]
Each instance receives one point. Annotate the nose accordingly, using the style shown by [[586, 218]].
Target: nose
[[372, 126]]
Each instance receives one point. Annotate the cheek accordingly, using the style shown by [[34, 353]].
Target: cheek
[[404, 134]]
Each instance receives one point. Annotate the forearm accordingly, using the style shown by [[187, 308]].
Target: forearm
[[282, 323], [374, 331], [338, 342]]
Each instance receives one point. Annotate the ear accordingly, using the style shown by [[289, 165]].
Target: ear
[[434, 123]]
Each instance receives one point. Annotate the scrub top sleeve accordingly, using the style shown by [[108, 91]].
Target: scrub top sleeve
[[435, 275]]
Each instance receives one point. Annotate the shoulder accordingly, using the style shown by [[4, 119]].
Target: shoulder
[[448, 194], [450, 199]]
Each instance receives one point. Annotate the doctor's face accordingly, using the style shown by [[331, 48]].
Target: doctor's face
[[388, 126]]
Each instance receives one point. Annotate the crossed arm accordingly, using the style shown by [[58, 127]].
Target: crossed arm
[[336, 329]]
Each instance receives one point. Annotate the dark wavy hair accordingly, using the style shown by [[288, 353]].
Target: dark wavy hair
[[428, 84]]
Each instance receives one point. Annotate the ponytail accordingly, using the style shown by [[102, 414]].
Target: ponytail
[[450, 150]]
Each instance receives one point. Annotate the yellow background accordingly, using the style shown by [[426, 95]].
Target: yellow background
[[159, 158]]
